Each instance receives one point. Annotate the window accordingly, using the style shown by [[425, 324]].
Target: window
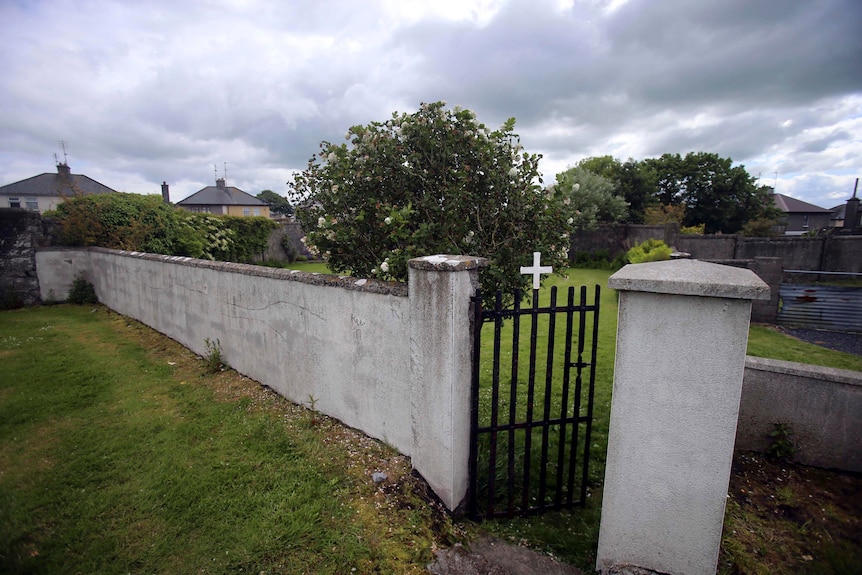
[[246, 211], [32, 204], [14, 202], [805, 221], [257, 211]]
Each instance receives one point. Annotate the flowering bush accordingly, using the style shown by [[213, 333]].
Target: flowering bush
[[436, 181]]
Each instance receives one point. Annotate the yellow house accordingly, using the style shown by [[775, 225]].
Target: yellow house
[[221, 199]]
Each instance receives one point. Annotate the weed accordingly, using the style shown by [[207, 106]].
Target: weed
[[214, 357], [781, 446]]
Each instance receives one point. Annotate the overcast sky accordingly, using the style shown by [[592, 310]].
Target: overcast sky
[[145, 92]]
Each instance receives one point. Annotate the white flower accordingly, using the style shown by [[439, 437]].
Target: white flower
[[457, 109], [334, 188], [321, 221], [374, 271], [567, 201], [332, 157], [384, 267], [388, 220], [347, 136], [571, 221], [513, 172], [576, 187]]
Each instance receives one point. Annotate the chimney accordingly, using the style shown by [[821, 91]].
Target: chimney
[[851, 211], [64, 171], [166, 194], [220, 183]]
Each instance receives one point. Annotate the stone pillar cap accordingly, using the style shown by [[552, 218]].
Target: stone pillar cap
[[690, 277], [447, 263]]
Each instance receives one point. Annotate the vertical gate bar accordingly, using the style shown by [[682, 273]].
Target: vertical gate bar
[[564, 402], [573, 460], [546, 412], [513, 401], [474, 404], [531, 388], [591, 392], [495, 397]]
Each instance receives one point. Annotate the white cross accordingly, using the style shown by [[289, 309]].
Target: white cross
[[537, 270]]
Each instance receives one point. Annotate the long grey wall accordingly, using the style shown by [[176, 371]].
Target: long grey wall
[[822, 406], [825, 253], [368, 352]]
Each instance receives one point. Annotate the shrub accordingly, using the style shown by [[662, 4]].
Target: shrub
[[145, 223], [289, 250], [82, 292], [436, 181], [649, 251]]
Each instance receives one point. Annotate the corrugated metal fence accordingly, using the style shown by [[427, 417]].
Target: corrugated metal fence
[[821, 307]]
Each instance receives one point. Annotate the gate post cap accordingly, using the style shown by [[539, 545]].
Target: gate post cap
[[447, 263], [690, 277]]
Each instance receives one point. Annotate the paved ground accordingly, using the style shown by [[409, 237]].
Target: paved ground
[[491, 556], [837, 340]]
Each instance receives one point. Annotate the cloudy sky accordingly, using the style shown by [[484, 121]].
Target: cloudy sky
[[145, 92]]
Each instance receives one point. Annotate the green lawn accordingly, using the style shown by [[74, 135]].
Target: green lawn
[[120, 452]]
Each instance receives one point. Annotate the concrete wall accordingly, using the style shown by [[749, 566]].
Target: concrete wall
[[822, 406], [826, 253], [372, 357], [673, 416]]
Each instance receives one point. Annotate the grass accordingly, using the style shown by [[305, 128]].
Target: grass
[[769, 342], [121, 452]]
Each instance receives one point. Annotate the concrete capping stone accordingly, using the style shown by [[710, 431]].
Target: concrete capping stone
[[804, 370], [690, 277], [345, 282], [447, 263]]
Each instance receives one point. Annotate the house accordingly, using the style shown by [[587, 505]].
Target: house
[[46, 191], [222, 199], [801, 217]]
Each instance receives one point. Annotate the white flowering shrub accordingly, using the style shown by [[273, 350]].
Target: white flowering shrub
[[436, 181]]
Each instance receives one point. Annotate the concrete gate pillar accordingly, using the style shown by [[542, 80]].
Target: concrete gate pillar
[[441, 341], [682, 335]]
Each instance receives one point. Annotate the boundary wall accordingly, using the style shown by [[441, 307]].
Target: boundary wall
[[385, 358], [821, 405], [831, 253]]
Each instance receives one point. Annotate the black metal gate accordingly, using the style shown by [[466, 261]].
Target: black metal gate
[[530, 440]]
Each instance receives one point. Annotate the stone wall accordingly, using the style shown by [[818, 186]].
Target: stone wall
[[21, 232]]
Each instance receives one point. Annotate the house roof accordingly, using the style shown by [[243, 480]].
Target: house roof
[[221, 196], [55, 185], [792, 205]]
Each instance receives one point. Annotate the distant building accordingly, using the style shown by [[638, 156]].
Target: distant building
[[46, 191], [221, 199], [801, 217]]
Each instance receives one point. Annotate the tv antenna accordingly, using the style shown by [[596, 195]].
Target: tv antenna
[[215, 169], [65, 156], [225, 171]]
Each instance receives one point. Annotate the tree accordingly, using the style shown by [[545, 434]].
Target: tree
[[636, 183], [632, 180], [593, 197], [436, 181], [718, 195], [277, 204]]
